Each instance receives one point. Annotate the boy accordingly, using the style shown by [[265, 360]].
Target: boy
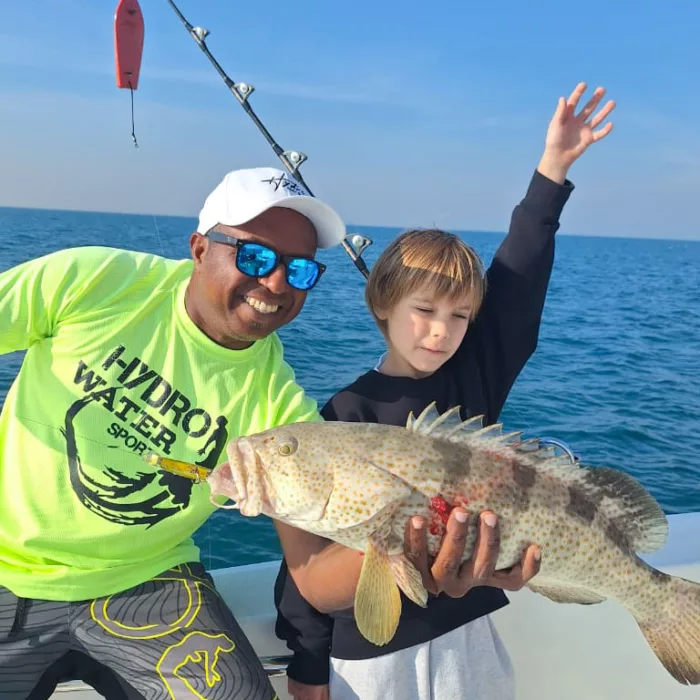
[[456, 337]]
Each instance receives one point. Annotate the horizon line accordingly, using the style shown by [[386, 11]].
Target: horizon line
[[366, 226]]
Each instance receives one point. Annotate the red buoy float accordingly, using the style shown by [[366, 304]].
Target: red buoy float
[[128, 43], [128, 49]]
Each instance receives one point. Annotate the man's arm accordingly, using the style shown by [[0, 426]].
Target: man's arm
[[26, 303], [325, 573], [40, 295], [507, 327]]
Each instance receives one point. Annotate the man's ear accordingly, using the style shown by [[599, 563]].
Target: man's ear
[[199, 245]]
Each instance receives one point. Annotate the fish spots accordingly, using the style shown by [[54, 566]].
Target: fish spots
[[615, 532], [581, 504], [659, 576], [461, 501], [454, 459], [524, 477]]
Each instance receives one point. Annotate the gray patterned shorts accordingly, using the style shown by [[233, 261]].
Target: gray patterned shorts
[[172, 637]]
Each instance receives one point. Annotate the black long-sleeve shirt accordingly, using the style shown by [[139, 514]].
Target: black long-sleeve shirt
[[478, 378]]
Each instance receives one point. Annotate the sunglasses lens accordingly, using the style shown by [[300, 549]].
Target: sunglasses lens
[[302, 274], [256, 260]]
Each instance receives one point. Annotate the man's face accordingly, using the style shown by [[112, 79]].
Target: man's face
[[235, 310]]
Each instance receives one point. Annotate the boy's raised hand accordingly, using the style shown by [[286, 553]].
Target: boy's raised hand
[[570, 134]]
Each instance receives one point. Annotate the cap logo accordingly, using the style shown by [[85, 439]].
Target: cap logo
[[286, 184]]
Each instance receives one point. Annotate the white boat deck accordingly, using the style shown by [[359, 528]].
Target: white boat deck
[[560, 652]]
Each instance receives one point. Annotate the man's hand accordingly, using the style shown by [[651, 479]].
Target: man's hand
[[449, 575], [301, 691], [570, 134]]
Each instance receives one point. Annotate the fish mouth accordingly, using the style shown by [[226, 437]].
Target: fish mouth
[[238, 466], [250, 480]]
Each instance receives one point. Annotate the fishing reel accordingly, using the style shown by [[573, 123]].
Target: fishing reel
[[354, 245]]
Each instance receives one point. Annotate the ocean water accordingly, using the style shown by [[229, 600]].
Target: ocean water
[[616, 374]]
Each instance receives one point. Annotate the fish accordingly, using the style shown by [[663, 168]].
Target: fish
[[357, 484]]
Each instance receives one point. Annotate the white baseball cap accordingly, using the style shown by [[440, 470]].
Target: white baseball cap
[[244, 194]]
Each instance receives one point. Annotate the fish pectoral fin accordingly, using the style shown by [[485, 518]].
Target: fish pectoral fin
[[408, 579], [377, 598], [562, 593]]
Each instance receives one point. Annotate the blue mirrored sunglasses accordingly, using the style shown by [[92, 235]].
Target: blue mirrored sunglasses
[[258, 260]]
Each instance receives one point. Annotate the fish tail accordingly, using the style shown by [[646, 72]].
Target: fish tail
[[673, 632]]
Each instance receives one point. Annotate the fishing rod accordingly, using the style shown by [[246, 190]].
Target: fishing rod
[[354, 245]]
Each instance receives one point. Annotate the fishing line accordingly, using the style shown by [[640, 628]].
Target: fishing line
[[353, 245], [133, 127], [105, 445], [160, 242]]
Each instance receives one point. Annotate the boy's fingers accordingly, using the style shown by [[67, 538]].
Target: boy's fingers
[[601, 133], [592, 103], [560, 111], [575, 96], [607, 108]]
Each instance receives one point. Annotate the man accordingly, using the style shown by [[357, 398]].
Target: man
[[127, 354]]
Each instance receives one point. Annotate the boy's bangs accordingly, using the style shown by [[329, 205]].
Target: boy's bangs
[[426, 259], [451, 271]]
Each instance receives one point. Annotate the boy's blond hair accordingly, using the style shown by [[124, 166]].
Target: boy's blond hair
[[420, 258]]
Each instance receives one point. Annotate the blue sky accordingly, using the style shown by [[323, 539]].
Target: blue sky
[[412, 113]]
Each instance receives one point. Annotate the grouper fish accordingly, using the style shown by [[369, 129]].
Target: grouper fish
[[358, 484]]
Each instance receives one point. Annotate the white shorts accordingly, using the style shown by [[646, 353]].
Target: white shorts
[[469, 663]]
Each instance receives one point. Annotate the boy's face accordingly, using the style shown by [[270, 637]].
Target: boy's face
[[423, 332]]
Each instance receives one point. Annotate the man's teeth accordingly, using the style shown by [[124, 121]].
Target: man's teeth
[[261, 306]]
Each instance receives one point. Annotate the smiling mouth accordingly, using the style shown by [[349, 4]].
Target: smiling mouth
[[261, 306]]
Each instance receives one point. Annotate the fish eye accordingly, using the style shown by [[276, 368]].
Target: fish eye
[[288, 447]]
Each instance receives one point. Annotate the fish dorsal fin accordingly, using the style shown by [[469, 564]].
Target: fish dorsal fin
[[627, 506], [448, 426]]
